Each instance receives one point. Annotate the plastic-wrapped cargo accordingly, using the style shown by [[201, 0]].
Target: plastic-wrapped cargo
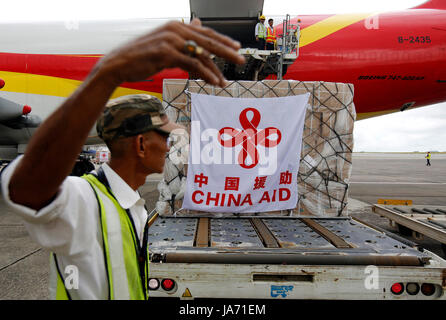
[[326, 157]]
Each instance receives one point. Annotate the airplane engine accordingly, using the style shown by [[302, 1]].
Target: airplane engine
[[23, 122], [10, 110]]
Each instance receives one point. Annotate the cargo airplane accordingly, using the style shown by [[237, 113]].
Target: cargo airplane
[[396, 61]]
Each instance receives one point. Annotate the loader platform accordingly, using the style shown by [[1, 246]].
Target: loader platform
[[282, 240]]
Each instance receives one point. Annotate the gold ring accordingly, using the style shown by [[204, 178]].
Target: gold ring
[[192, 49], [198, 50]]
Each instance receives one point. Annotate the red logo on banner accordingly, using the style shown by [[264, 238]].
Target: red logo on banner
[[249, 138]]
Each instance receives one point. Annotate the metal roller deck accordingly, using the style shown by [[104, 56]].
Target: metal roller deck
[[276, 240]]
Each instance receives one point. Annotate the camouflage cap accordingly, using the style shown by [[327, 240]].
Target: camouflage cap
[[131, 115]]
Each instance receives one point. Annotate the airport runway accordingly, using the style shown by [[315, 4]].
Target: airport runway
[[24, 265], [398, 176]]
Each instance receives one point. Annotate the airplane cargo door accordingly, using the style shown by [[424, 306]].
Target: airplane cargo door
[[234, 18]]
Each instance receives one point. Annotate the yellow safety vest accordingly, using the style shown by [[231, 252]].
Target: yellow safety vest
[[271, 35], [122, 252], [262, 31]]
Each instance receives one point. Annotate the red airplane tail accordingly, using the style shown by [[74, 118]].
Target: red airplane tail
[[432, 4]]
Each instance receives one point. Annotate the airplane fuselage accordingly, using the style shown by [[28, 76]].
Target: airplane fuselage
[[395, 60]]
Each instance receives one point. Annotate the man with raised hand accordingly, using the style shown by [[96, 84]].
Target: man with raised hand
[[95, 226]]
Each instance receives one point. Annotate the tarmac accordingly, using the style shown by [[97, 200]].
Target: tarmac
[[24, 266]]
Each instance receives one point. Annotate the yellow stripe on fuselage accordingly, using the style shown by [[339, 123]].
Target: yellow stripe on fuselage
[[53, 86], [329, 26], [366, 115], [62, 87]]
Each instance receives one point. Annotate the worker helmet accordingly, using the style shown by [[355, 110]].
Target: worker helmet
[[262, 17]]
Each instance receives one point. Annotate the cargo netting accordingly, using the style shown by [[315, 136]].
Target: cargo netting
[[326, 156]]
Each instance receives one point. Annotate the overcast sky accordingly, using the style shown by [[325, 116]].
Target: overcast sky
[[110, 9], [413, 130]]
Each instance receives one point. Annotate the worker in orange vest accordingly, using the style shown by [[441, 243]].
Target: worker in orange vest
[[270, 36]]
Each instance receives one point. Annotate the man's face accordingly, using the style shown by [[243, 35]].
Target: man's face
[[271, 22], [262, 21], [155, 146]]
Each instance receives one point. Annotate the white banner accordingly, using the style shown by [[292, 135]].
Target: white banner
[[244, 153]]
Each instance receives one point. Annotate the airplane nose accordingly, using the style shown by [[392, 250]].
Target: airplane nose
[[2, 83], [26, 109]]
